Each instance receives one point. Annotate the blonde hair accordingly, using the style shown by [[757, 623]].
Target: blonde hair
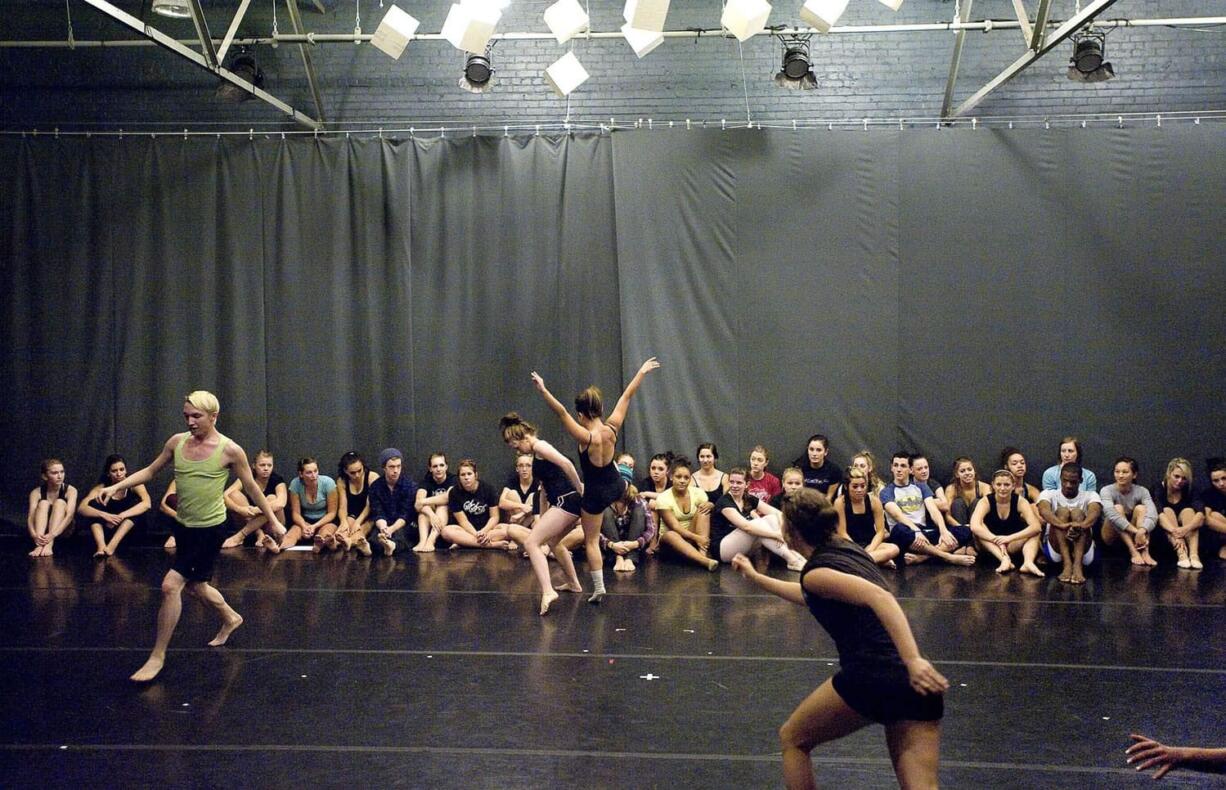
[[1183, 465], [203, 400], [792, 470]]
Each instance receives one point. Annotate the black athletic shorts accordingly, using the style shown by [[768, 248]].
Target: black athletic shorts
[[885, 696], [196, 550]]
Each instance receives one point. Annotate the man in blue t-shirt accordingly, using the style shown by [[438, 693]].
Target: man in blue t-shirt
[[915, 523]]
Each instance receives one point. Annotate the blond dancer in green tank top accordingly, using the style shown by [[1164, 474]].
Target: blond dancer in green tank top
[[202, 458]]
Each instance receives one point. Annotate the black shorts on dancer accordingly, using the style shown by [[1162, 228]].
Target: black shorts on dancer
[[885, 696], [196, 550]]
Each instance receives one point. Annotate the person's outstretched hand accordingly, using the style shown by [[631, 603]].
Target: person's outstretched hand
[[1146, 753]]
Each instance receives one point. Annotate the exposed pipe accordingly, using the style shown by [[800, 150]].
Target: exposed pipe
[[985, 25]]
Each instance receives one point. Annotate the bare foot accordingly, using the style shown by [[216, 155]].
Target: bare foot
[[170, 543], [962, 559], [422, 548], [37, 552], [100, 554], [1147, 558], [1196, 564], [512, 546], [628, 567], [234, 541], [268, 542], [574, 587], [387, 545], [47, 552], [1032, 569], [914, 559], [712, 565], [226, 629], [149, 671], [363, 547], [1078, 579], [1066, 578], [547, 599], [1137, 559], [1005, 566], [891, 565], [1221, 553]]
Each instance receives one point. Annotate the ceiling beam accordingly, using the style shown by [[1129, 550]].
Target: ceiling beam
[[295, 18], [1067, 29], [964, 13], [1040, 24], [1023, 20], [202, 33], [188, 53], [229, 39]]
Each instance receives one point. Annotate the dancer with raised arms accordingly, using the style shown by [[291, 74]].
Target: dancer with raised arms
[[597, 438], [203, 459], [882, 677], [561, 485]]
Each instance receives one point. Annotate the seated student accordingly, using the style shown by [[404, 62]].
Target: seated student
[[916, 526], [682, 526], [762, 483], [1070, 453], [431, 504], [251, 517], [862, 518], [313, 503], [1005, 523], [1180, 514], [964, 492], [169, 506], [1012, 461], [392, 499], [1130, 511], [519, 499], [866, 462], [120, 514], [475, 522], [1214, 499], [353, 481], [816, 468], [792, 479], [1070, 513], [52, 507], [626, 460], [712, 481], [656, 481], [921, 472], [626, 529], [741, 522]]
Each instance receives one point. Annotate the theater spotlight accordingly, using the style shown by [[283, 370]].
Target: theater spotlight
[[797, 69], [179, 9], [243, 64], [1087, 63], [478, 76]]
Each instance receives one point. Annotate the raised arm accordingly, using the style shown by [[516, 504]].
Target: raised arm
[[572, 426], [144, 475], [618, 415], [788, 591]]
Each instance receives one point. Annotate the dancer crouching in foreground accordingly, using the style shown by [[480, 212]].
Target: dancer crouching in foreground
[[882, 677], [561, 485], [602, 483], [202, 460]]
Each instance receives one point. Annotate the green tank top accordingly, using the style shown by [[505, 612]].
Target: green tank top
[[201, 486]]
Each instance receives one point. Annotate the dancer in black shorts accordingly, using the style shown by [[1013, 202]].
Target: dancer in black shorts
[[882, 677], [560, 483], [602, 483], [203, 460]]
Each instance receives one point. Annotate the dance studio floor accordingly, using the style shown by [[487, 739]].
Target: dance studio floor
[[437, 672]]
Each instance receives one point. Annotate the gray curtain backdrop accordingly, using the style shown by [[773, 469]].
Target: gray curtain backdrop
[[946, 290]]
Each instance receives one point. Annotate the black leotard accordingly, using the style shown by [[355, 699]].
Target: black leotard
[[557, 486], [861, 527], [602, 485], [872, 678], [1007, 526]]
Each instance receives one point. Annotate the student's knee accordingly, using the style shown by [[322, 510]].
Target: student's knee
[[172, 585]]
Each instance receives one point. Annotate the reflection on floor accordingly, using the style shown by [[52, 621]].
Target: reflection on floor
[[436, 671]]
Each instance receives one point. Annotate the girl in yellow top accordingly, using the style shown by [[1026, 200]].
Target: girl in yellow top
[[685, 526]]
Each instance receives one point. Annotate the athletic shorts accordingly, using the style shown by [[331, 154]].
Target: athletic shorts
[[886, 696], [1050, 552], [902, 536], [196, 550], [568, 502]]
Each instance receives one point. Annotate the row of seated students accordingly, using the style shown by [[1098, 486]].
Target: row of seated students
[[698, 512]]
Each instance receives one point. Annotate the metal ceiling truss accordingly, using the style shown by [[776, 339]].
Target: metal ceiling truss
[[1038, 43], [209, 58]]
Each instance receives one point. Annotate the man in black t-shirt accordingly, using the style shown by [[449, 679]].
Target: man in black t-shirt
[[431, 502]]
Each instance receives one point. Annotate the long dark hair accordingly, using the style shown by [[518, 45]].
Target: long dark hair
[[111, 460], [346, 460]]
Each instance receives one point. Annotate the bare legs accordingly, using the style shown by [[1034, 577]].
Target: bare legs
[[430, 523], [822, 716], [46, 515], [688, 550], [1183, 531], [458, 536], [105, 549], [256, 524], [1138, 545], [548, 529], [1029, 548], [168, 617]]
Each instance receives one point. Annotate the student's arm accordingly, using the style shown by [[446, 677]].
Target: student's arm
[[949, 492], [978, 528], [547, 452], [1094, 512], [577, 431], [1117, 519], [509, 500], [1151, 510], [364, 516], [145, 475], [460, 519], [419, 501], [618, 416], [1047, 514], [936, 519], [831, 584], [280, 497], [1147, 753], [89, 511], [788, 591], [330, 515], [35, 495], [295, 511], [896, 513], [841, 530], [342, 497], [878, 522], [740, 522], [143, 503], [1033, 527], [70, 511]]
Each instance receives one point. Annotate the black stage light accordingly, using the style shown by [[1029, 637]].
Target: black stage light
[[1087, 63], [243, 64], [478, 74], [796, 72]]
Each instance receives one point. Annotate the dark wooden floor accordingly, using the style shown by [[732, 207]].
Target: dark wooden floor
[[437, 672]]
